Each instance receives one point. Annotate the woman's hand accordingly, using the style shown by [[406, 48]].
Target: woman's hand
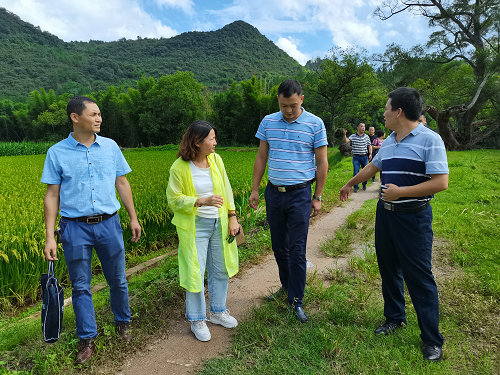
[[234, 226], [213, 200]]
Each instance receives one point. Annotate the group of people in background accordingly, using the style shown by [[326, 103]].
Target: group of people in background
[[82, 171]]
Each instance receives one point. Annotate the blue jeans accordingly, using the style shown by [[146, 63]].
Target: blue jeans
[[288, 217], [106, 238], [403, 242], [359, 162], [210, 254]]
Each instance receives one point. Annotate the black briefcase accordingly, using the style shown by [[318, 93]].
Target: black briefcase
[[53, 305]]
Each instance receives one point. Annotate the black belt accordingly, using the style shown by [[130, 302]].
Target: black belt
[[94, 219], [395, 207], [361, 155], [285, 188]]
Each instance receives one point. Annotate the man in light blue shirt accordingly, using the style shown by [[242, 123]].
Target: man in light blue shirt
[[81, 173], [414, 165], [293, 144]]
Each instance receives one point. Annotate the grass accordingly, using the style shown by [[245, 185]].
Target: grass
[[24, 148]]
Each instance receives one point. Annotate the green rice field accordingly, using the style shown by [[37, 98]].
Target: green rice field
[[22, 233]]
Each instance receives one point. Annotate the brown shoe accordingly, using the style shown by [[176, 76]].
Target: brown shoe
[[123, 330], [86, 349]]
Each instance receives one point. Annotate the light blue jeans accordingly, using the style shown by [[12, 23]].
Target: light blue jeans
[[210, 255], [106, 238]]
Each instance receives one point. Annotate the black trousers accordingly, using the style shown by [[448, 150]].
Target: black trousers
[[288, 217], [403, 244]]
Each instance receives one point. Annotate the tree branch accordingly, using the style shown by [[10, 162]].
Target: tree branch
[[480, 88]]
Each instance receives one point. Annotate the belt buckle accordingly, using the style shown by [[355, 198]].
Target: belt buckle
[[281, 189], [94, 219], [388, 206]]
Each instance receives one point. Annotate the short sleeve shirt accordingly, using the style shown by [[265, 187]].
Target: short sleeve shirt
[[360, 144], [86, 175], [411, 161], [291, 146]]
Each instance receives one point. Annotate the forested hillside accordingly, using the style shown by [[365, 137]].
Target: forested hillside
[[32, 59]]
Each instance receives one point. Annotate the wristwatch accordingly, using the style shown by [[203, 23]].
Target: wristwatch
[[316, 197]]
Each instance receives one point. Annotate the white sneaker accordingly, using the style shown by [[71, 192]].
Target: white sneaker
[[224, 319], [200, 330]]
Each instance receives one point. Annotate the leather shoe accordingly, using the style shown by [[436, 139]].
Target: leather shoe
[[432, 353], [300, 314], [86, 349], [122, 329], [389, 327], [279, 294]]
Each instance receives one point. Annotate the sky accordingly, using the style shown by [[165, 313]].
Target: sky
[[305, 29]]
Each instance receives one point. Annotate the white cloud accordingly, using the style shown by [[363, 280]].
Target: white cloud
[[93, 19], [185, 5], [295, 16], [291, 49]]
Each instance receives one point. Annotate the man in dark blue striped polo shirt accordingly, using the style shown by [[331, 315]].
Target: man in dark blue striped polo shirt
[[361, 151], [294, 142], [414, 165]]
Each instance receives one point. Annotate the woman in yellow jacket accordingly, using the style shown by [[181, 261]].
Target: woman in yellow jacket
[[200, 195]]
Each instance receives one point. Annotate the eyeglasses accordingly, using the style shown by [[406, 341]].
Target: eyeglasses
[[230, 239]]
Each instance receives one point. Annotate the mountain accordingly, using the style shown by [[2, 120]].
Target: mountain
[[32, 58]]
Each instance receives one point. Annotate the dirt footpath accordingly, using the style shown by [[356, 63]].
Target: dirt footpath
[[182, 353]]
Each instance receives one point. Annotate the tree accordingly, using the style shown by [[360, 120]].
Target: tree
[[340, 83], [470, 32]]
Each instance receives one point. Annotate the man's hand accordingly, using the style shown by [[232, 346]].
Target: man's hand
[[345, 192], [136, 229], [345, 131], [50, 250], [370, 157], [391, 193], [315, 207], [254, 200]]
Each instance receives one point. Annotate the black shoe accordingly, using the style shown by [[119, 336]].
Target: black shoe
[[373, 179], [300, 314], [282, 292], [432, 353], [364, 187], [389, 327], [356, 190]]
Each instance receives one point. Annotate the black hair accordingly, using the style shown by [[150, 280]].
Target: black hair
[[290, 87], [195, 133], [76, 105], [423, 113], [380, 133], [409, 100]]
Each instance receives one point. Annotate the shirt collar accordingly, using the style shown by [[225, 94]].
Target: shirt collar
[[414, 132], [299, 119], [73, 142]]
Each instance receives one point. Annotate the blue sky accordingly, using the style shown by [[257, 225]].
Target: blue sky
[[304, 29]]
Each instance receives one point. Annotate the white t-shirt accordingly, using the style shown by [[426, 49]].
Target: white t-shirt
[[204, 187]]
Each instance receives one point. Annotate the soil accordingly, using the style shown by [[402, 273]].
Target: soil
[[181, 353]]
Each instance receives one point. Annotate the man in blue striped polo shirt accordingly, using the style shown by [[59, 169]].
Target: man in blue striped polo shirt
[[414, 165], [293, 141], [361, 151]]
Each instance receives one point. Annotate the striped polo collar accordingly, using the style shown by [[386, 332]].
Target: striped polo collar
[[299, 119], [419, 129]]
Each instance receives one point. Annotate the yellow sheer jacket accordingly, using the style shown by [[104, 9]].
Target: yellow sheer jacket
[[181, 196]]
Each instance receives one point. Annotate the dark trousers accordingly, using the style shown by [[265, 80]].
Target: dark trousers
[[359, 162], [403, 243], [288, 217]]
